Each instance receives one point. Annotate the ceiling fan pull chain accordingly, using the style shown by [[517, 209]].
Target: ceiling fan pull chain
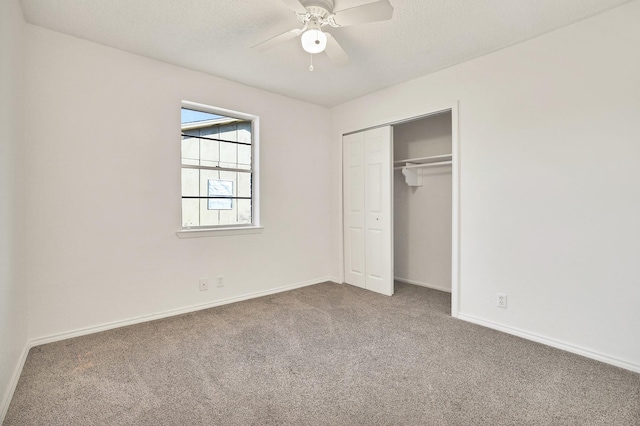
[[311, 66]]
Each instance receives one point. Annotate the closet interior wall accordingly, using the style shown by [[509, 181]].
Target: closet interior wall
[[422, 214]]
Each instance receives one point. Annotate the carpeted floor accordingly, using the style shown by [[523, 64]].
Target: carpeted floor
[[327, 354]]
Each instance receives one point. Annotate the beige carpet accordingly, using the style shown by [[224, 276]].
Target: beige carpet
[[322, 355]]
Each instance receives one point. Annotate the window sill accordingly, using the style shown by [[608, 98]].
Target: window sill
[[218, 232]]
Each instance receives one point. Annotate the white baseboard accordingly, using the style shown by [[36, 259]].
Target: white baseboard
[[421, 284], [552, 342], [172, 312], [4, 406]]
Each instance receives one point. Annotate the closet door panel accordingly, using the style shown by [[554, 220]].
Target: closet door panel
[[378, 210], [356, 256], [374, 188], [375, 268], [353, 217]]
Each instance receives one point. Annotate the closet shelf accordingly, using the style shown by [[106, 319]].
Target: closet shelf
[[425, 160], [412, 177], [422, 165]]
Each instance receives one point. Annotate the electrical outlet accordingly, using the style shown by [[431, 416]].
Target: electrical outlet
[[220, 281], [204, 284], [502, 300]]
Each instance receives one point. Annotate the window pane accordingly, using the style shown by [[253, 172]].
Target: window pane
[[190, 212], [244, 132], [212, 132], [208, 217], [228, 155], [244, 211], [244, 184], [190, 150], [209, 152], [244, 157], [190, 182], [239, 214]]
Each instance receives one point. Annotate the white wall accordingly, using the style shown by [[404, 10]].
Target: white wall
[[549, 181], [103, 151], [422, 214], [13, 296]]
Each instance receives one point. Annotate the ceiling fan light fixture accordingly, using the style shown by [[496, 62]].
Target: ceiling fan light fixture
[[314, 40]]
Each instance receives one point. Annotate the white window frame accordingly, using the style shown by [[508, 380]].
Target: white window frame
[[255, 226]]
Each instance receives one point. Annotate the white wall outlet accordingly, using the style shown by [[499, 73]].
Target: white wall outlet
[[502, 300], [204, 284], [220, 281]]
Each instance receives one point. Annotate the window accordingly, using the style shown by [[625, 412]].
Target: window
[[219, 168]]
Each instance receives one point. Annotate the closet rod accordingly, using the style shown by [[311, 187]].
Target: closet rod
[[415, 166], [420, 160]]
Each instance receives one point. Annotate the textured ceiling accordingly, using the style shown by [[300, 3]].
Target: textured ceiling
[[215, 36]]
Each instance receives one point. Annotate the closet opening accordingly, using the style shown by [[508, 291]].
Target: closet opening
[[423, 200], [400, 204]]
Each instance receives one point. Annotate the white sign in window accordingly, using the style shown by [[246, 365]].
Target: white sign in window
[[220, 188]]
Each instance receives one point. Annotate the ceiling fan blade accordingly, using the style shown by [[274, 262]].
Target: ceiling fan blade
[[274, 41], [380, 10], [295, 5], [335, 52]]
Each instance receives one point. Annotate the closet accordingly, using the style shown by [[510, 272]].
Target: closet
[[397, 201], [422, 201]]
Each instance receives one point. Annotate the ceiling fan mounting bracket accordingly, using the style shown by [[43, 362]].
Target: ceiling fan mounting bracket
[[325, 6]]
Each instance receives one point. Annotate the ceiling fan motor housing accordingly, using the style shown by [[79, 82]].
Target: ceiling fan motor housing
[[319, 8]]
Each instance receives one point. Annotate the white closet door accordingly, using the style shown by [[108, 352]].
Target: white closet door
[[368, 210], [378, 210], [353, 195]]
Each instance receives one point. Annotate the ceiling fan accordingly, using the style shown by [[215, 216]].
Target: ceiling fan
[[315, 14]]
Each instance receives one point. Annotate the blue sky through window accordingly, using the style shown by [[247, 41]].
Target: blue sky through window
[[191, 116]]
